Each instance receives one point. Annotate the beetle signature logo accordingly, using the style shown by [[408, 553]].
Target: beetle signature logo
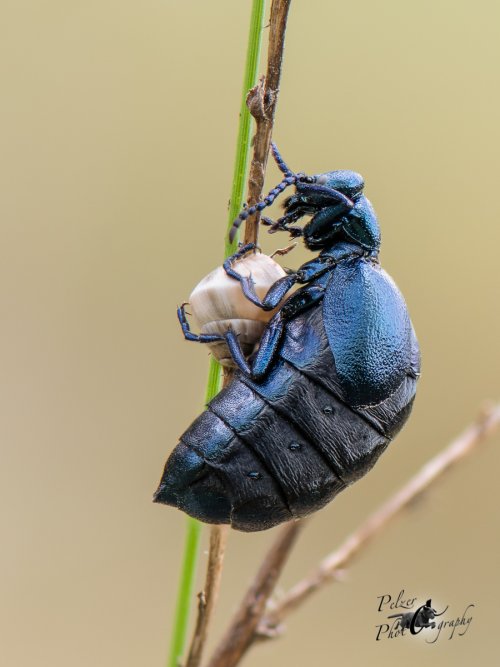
[[421, 618], [414, 618]]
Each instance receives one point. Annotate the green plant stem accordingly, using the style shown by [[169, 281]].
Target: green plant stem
[[193, 534], [186, 585], [243, 140]]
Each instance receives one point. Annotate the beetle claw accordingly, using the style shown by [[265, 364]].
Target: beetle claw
[[284, 251]]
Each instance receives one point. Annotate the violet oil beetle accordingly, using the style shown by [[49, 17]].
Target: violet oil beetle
[[332, 380]]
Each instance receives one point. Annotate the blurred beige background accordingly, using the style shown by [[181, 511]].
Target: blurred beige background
[[117, 131]]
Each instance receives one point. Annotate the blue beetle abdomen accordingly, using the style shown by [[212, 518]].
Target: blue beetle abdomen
[[267, 452], [345, 441], [211, 474], [252, 467]]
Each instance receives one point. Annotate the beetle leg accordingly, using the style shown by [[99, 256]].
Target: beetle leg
[[271, 338], [278, 226], [325, 224], [298, 202], [228, 264], [305, 274], [275, 293], [328, 193], [268, 348], [293, 231], [238, 255], [283, 222], [237, 353], [268, 222], [302, 300], [189, 335]]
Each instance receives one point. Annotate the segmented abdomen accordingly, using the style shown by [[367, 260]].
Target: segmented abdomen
[[264, 453]]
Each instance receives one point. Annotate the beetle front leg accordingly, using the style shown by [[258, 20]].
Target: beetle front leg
[[283, 223], [297, 203], [330, 194], [189, 335], [241, 252], [324, 224], [275, 293]]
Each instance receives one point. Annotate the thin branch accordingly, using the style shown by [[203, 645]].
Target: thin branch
[[262, 101], [208, 597], [241, 631], [332, 566]]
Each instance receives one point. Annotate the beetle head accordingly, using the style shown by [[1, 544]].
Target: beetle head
[[349, 183], [333, 223]]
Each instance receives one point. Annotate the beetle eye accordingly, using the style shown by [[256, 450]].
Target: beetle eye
[[307, 179]]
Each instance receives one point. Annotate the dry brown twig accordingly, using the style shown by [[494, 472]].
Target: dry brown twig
[[242, 629], [238, 639], [208, 597], [261, 102]]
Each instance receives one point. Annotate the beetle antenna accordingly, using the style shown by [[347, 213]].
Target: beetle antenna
[[266, 201], [282, 165]]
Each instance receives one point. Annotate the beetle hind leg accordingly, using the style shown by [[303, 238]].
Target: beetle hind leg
[[270, 342], [268, 348]]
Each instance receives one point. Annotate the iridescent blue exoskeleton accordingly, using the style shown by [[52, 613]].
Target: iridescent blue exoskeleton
[[332, 382]]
